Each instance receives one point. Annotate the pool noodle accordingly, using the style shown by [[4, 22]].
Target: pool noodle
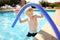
[[44, 13]]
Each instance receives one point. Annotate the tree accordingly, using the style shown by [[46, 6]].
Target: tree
[[9, 2]]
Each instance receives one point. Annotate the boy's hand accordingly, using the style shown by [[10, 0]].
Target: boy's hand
[[22, 20], [39, 16]]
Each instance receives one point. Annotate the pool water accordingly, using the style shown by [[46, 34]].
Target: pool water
[[21, 29]]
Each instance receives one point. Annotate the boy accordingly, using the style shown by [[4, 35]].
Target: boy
[[32, 21]]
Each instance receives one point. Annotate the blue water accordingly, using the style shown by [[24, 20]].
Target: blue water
[[21, 29]]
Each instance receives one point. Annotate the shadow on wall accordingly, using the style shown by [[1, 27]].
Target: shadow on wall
[[46, 36]]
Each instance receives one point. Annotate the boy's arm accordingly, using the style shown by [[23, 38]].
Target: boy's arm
[[39, 16], [23, 20]]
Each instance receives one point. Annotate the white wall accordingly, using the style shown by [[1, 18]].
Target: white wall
[[36, 1], [53, 1], [33, 1]]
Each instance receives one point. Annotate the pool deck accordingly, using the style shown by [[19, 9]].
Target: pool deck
[[47, 32]]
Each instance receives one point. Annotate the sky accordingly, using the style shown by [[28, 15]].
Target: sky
[[36, 1]]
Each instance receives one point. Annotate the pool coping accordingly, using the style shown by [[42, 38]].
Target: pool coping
[[44, 9], [33, 9], [6, 10]]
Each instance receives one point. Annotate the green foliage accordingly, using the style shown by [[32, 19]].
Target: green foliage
[[9, 2], [44, 4], [56, 4]]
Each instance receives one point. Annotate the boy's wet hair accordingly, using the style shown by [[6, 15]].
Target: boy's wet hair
[[28, 9]]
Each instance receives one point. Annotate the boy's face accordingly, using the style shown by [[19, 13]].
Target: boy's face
[[29, 13]]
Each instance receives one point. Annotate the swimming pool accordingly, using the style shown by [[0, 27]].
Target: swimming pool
[[21, 29]]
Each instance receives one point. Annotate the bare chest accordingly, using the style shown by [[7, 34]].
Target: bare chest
[[32, 21]]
